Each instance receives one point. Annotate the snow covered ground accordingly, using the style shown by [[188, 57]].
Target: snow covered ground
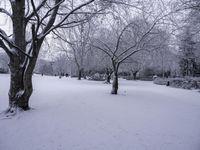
[[82, 115]]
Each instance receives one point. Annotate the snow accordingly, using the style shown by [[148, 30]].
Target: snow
[[82, 115], [20, 93]]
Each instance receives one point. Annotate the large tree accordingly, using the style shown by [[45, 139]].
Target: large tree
[[32, 21]]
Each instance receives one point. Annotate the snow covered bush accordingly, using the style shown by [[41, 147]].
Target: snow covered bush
[[160, 81], [97, 77], [184, 83]]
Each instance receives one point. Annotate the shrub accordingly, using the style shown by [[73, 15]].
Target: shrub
[[184, 83]]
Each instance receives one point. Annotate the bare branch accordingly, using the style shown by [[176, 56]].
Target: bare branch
[[141, 39], [50, 10], [10, 43], [95, 46], [49, 27], [108, 48], [60, 37], [36, 10], [133, 52], [125, 51], [37, 16], [52, 18], [119, 38], [2, 10], [5, 48]]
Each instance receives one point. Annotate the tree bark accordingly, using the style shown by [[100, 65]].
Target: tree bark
[[19, 92], [134, 74], [115, 83], [21, 86], [79, 74], [16, 92], [108, 75]]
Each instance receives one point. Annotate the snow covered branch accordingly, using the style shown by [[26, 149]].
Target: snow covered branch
[[50, 26], [5, 48], [2, 10], [11, 44], [32, 14]]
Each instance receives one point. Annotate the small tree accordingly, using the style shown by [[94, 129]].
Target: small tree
[[78, 38], [132, 38]]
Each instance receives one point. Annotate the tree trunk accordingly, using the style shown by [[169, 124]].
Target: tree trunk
[[108, 76], [134, 76], [19, 93], [21, 67], [16, 91], [21, 86], [79, 74], [115, 83], [134, 73]]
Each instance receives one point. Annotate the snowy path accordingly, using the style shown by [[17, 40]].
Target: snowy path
[[82, 115]]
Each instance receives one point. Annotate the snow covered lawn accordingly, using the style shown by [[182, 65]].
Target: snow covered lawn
[[82, 115]]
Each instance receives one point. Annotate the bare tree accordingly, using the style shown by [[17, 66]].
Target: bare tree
[[79, 46], [134, 37], [40, 19]]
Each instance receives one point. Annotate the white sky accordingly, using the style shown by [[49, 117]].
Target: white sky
[[6, 24]]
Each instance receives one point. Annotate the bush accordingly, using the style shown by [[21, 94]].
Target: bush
[[184, 83], [97, 77], [160, 81]]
